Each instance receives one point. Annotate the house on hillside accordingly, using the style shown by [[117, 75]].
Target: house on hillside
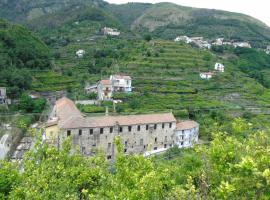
[[183, 38], [145, 134], [105, 90], [91, 88], [207, 75], [219, 67], [267, 50], [121, 83], [80, 53], [110, 31], [3, 95], [241, 44], [116, 83], [186, 133], [218, 42]]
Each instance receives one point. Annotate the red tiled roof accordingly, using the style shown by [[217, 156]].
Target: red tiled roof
[[186, 124], [106, 82]]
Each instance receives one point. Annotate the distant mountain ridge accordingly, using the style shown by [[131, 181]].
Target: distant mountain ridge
[[162, 20]]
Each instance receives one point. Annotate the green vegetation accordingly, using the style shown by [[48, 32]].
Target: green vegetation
[[234, 165]]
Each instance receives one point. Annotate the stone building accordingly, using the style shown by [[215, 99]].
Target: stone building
[[144, 134]]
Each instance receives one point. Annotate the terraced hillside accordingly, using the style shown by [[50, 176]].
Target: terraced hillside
[[168, 76]]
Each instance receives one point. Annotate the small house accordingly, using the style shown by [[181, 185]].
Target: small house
[[219, 67], [242, 44], [90, 89], [206, 75], [80, 53], [105, 90], [110, 31], [121, 83], [183, 38]]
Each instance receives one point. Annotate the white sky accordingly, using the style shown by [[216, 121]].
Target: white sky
[[259, 9]]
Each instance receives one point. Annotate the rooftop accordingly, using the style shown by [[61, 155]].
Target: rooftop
[[70, 117], [186, 124]]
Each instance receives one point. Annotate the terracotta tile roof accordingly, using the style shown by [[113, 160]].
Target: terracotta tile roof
[[108, 121], [186, 124], [106, 82], [70, 117]]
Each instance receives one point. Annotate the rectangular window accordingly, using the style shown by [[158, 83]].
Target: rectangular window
[[126, 143], [155, 148], [125, 150], [68, 133], [165, 139], [147, 127], [138, 128], [91, 131], [111, 129], [155, 126], [170, 125], [165, 146], [129, 128], [80, 132], [101, 130], [141, 141], [163, 125], [109, 157], [155, 139], [120, 129]]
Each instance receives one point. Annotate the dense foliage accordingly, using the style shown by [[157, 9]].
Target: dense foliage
[[234, 165], [20, 50]]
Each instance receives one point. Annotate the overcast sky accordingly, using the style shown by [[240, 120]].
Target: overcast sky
[[259, 9]]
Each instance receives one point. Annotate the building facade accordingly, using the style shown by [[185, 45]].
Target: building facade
[[142, 134], [219, 67], [3, 95], [116, 83]]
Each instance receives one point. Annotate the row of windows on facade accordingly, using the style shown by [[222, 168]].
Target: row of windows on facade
[[101, 130]]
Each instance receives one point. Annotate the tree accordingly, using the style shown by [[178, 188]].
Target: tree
[[147, 37]]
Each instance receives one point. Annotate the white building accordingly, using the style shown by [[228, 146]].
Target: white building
[[206, 75], [267, 50], [121, 83], [5, 145], [186, 133], [110, 31], [105, 90], [183, 38], [90, 89], [3, 95], [219, 67], [116, 83], [80, 53], [242, 44], [218, 42]]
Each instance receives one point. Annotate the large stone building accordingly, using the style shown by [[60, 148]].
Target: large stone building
[[145, 134]]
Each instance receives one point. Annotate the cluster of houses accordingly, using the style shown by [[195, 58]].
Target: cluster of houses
[[199, 41], [107, 87], [204, 44], [145, 134], [208, 75], [220, 42]]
